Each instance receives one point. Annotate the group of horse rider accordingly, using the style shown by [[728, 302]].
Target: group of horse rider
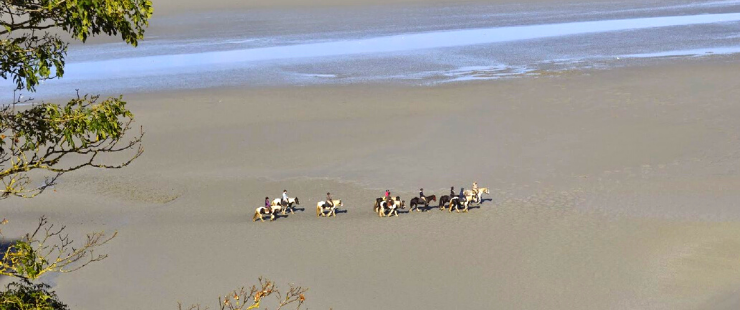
[[453, 196], [386, 196]]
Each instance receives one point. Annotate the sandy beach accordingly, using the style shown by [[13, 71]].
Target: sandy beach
[[610, 189]]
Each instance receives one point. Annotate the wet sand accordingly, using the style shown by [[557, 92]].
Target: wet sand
[[609, 190], [414, 45]]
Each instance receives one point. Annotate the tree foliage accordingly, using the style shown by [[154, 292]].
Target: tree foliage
[[49, 249], [40, 137], [44, 136], [56, 139], [27, 296], [31, 55]]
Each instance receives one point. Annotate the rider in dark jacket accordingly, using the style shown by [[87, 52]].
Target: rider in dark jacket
[[329, 201]]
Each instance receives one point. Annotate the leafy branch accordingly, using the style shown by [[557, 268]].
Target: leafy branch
[[49, 249], [30, 58], [40, 137], [246, 299]]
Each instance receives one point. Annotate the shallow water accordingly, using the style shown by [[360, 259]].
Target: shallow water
[[414, 45]]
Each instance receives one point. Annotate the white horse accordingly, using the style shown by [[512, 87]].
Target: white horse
[[263, 210], [481, 191], [470, 195], [277, 204], [477, 195], [322, 207]]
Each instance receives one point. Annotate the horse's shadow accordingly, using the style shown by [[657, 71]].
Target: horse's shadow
[[287, 213], [336, 211]]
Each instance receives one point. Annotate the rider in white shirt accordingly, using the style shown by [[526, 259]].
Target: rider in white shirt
[[285, 196]]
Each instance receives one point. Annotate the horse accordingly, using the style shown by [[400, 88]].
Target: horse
[[481, 191], [456, 202], [378, 201], [392, 206], [322, 207], [443, 201], [477, 195], [414, 202], [470, 195], [263, 210], [279, 202]]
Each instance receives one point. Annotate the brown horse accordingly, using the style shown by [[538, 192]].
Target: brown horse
[[443, 201], [414, 202]]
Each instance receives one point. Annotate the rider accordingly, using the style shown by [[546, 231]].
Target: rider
[[475, 187], [421, 195], [285, 197], [387, 195], [452, 192], [267, 203], [462, 194], [329, 201]]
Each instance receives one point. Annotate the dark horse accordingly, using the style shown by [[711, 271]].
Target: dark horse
[[443, 201], [417, 201]]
